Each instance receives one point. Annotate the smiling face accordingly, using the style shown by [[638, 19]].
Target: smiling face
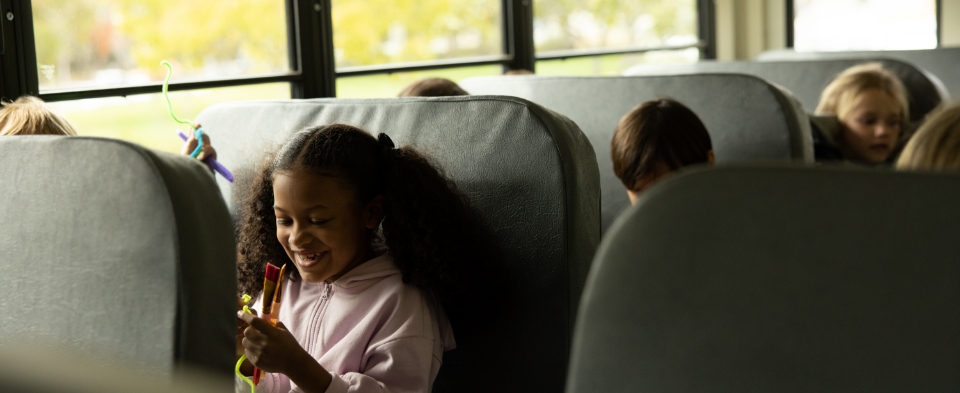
[[323, 227], [871, 129]]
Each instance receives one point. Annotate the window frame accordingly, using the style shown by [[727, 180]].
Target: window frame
[[311, 56]]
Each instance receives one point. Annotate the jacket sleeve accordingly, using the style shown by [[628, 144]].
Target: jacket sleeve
[[399, 366]]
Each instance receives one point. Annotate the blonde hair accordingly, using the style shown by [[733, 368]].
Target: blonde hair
[[31, 116], [936, 145], [846, 91]]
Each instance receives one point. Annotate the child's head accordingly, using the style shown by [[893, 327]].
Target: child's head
[[433, 87], [936, 145], [871, 104], [655, 138], [30, 116], [321, 202]]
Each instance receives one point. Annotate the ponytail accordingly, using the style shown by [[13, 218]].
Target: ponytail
[[436, 239]]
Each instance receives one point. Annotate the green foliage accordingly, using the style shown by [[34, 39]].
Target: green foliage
[[669, 17], [361, 28]]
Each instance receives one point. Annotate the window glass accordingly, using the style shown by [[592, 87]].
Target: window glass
[[591, 24], [368, 32], [389, 85], [103, 43], [143, 119], [614, 64], [840, 25]]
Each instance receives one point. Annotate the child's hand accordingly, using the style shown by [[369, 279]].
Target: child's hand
[[270, 348], [241, 326], [191, 143]]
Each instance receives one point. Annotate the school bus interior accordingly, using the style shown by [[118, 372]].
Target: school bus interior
[[773, 270]]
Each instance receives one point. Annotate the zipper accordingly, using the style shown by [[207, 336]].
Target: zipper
[[318, 311]]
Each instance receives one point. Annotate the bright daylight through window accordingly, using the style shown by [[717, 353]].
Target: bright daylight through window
[[841, 25], [111, 43], [562, 25]]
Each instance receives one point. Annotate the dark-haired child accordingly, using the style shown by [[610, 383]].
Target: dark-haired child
[[433, 87], [361, 312], [654, 139]]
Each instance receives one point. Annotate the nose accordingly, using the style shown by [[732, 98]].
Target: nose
[[882, 130], [298, 237]]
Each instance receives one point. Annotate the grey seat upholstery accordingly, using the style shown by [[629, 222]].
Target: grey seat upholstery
[[777, 280], [120, 251], [941, 62], [807, 79], [747, 118], [530, 173]]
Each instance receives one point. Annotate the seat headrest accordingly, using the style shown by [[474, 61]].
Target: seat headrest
[[118, 250], [777, 279]]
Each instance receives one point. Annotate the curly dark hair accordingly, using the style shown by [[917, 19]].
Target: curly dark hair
[[428, 227]]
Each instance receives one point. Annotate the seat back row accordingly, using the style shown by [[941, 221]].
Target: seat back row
[[748, 118], [806, 79], [129, 252]]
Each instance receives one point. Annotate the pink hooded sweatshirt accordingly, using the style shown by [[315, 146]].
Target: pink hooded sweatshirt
[[368, 329]]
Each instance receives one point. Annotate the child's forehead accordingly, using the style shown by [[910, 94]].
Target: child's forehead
[[310, 188]]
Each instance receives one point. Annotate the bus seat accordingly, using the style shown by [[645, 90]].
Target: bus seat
[[941, 62], [118, 251], [530, 173], [777, 279], [807, 79], [747, 118]]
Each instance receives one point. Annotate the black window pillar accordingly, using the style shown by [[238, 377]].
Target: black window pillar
[[18, 57], [707, 29], [790, 16], [518, 35], [310, 40]]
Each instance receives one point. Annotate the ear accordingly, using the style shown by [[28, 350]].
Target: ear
[[711, 159], [373, 212]]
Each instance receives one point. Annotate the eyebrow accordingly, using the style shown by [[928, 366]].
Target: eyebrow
[[314, 207]]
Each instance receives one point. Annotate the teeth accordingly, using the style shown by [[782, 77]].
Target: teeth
[[309, 257]]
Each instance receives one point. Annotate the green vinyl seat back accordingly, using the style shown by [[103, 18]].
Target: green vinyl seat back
[[777, 279], [119, 251], [529, 173]]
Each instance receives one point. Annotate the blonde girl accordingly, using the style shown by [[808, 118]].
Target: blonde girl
[[871, 105]]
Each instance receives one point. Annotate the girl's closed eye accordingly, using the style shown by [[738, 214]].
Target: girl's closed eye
[[319, 222]]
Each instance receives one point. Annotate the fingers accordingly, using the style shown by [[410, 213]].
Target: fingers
[[254, 322], [189, 145], [254, 335], [208, 151]]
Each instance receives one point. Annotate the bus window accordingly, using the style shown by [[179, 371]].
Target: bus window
[[565, 27], [383, 32], [97, 44], [108, 43], [842, 25]]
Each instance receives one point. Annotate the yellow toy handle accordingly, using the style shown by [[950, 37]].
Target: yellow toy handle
[[253, 388]]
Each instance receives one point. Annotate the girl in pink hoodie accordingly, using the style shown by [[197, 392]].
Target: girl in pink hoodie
[[376, 240]]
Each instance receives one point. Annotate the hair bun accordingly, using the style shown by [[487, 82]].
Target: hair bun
[[385, 141]]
